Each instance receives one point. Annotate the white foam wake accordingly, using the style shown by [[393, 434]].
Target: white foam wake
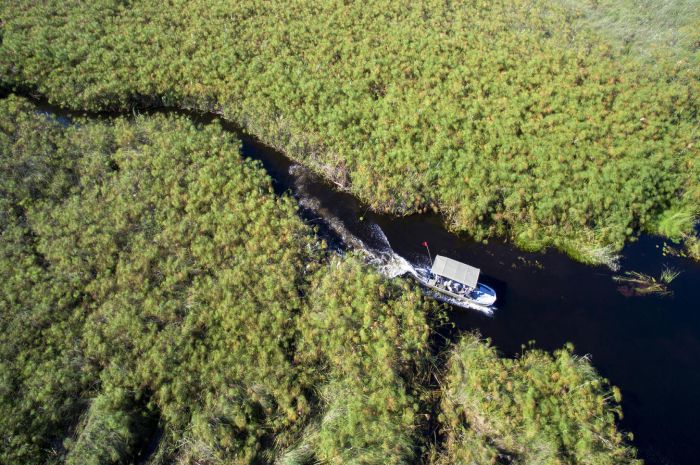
[[392, 265], [382, 257]]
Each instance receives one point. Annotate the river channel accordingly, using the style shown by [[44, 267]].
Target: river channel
[[648, 346]]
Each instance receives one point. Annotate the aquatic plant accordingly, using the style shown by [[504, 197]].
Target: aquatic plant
[[413, 107], [148, 257], [108, 433], [692, 247], [644, 28], [537, 408], [372, 335], [645, 284], [676, 224], [668, 275]]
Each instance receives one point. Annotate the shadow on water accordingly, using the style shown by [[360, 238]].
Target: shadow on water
[[648, 346]]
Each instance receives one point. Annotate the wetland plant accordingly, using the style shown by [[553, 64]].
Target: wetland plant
[[643, 284]]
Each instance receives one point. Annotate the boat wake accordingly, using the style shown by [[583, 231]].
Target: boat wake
[[380, 254], [388, 262]]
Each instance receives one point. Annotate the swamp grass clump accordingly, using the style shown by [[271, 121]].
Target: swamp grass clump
[[680, 225], [668, 275], [692, 247], [543, 408], [644, 284], [368, 339], [677, 224]]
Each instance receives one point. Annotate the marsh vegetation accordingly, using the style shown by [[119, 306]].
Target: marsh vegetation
[[522, 410], [155, 289], [644, 284], [160, 304], [566, 124]]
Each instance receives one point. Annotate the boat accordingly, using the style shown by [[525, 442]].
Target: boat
[[458, 281]]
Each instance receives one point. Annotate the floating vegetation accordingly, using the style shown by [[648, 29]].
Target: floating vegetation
[[527, 263], [637, 283], [688, 248], [669, 274], [671, 251]]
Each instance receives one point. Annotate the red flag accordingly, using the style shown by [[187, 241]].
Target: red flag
[[425, 244]]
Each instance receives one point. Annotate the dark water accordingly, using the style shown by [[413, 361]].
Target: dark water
[[648, 346]]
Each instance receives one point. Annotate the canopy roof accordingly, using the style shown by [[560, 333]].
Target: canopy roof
[[456, 271]]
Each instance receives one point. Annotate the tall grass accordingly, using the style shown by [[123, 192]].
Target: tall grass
[[588, 248], [692, 247], [677, 223], [645, 27], [538, 408]]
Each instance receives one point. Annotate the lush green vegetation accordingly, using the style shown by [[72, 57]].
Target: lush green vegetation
[[157, 296], [537, 409], [150, 275], [373, 338], [562, 124], [645, 28], [145, 266]]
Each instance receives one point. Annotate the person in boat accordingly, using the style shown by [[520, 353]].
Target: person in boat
[[463, 290], [449, 276]]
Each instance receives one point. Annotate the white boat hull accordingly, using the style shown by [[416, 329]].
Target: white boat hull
[[482, 296]]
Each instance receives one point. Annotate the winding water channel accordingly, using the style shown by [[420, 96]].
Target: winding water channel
[[648, 346]]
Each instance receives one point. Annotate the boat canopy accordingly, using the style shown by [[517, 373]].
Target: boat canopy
[[456, 271]]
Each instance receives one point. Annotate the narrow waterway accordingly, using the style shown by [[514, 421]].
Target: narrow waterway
[[648, 346]]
